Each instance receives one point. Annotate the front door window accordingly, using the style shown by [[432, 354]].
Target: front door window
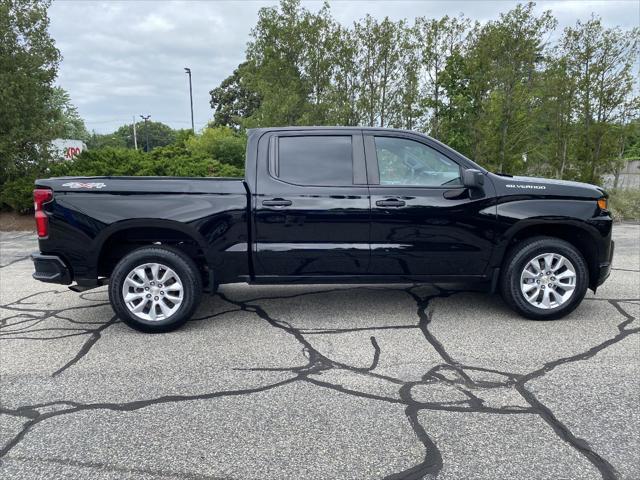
[[406, 162]]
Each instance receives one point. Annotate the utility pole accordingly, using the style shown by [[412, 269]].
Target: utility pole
[[146, 130], [135, 135], [188, 71]]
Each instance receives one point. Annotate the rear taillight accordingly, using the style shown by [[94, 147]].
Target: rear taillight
[[40, 197]]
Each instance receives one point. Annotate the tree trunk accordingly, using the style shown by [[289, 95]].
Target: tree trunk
[[503, 146], [564, 157], [620, 166], [436, 112], [596, 158]]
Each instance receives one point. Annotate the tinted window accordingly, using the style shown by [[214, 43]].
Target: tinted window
[[406, 162], [316, 160]]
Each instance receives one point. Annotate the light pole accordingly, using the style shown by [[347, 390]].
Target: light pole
[[146, 130], [188, 71], [135, 134]]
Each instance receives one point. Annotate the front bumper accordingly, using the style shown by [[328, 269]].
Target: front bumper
[[50, 269], [605, 268]]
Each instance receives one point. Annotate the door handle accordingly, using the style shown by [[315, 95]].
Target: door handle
[[276, 202], [392, 202]]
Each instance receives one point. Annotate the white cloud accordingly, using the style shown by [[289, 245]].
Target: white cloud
[[155, 23]]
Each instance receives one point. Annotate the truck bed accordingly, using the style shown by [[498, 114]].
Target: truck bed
[[92, 215]]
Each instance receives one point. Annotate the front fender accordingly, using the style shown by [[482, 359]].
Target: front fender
[[579, 222]]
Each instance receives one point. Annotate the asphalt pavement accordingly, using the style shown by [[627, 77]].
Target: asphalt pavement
[[320, 382]]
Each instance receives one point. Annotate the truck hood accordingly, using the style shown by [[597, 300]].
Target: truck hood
[[546, 187]]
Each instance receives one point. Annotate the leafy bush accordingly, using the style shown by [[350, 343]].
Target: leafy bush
[[221, 144], [625, 204], [18, 194], [164, 161], [215, 153]]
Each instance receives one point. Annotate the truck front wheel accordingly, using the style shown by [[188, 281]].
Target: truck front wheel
[[544, 278], [155, 289]]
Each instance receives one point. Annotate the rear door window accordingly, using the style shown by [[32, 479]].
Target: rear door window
[[315, 160]]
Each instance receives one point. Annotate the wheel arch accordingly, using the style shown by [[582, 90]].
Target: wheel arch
[[577, 233], [119, 239]]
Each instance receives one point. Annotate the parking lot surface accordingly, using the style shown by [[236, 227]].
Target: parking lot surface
[[314, 382]]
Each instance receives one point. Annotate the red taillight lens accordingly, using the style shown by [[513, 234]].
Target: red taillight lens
[[40, 197]]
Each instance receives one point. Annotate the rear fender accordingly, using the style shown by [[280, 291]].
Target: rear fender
[[147, 223]]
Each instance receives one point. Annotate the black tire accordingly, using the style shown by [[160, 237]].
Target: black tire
[[520, 255], [183, 266]]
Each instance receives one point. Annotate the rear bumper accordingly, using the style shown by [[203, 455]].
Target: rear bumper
[[605, 268], [50, 269]]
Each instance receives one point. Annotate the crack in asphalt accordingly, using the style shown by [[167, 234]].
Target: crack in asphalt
[[86, 346], [431, 466], [117, 469], [432, 463], [7, 239], [36, 417], [36, 316], [451, 373], [15, 260]]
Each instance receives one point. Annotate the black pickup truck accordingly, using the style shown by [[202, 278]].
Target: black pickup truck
[[324, 205]]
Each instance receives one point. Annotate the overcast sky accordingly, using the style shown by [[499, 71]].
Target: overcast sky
[[122, 59]]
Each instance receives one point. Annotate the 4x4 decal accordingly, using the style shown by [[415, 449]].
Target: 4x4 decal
[[84, 185]]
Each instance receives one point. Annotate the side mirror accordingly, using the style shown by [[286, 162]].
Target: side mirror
[[472, 178]]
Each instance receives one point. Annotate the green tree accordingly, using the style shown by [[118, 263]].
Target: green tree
[[159, 134], [274, 69], [554, 123], [601, 60], [105, 140], [515, 43], [437, 40], [345, 87], [466, 82], [380, 50], [406, 109], [28, 66], [493, 80], [67, 122], [233, 100]]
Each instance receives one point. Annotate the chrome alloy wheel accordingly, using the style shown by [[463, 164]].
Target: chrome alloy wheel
[[152, 292], [548, 281]]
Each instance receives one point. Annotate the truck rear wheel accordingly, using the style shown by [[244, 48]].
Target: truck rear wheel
[[544, 278], [155, 289]]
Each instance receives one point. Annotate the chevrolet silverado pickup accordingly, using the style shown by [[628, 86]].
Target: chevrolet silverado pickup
[[324, 205]]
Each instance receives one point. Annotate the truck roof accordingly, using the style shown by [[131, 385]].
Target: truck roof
[[326, 127]]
